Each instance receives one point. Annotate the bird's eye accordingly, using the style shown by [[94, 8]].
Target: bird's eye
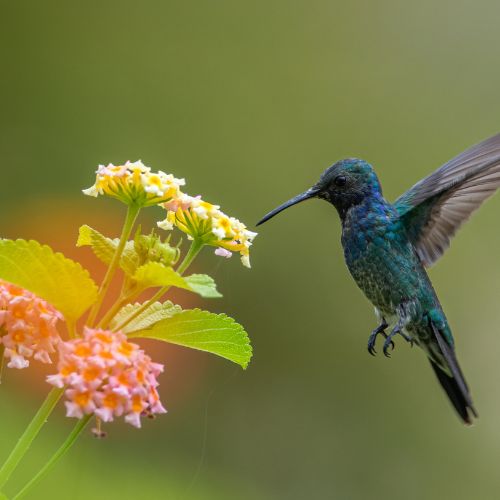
[[340, 180]]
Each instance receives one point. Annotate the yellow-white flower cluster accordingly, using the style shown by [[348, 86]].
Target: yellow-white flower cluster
[[133, 182], [206, 222]]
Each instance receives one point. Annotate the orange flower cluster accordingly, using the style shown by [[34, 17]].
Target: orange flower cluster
[[108, 376], [28, 326]]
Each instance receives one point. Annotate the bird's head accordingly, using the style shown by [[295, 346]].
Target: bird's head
[[345, 184]]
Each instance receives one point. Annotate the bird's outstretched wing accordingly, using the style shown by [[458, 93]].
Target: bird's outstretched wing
[[434, 208]]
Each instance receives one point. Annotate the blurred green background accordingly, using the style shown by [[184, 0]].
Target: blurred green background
[[250, 101]]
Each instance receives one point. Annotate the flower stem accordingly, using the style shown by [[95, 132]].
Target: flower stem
[[103, 323], [193, 251], [29, 435], [68, 443], [141, 309], [2, 360], [132, 213]]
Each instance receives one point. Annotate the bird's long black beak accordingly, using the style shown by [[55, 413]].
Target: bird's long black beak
[[310, 193]]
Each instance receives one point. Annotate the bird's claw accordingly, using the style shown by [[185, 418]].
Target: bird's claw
[[389, 342], [371, 346], [373, 337]]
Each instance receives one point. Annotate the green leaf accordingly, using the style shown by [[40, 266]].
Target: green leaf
[[60, 281], [215, 333], [104, 248], [154, 313], [154, 274], [204, 285]]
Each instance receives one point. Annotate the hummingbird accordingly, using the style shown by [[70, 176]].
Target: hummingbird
[[388, 246]]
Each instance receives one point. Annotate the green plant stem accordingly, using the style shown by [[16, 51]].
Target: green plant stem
[[112, 312], [132, 213], [29, 435], [123, 300], [68, 443], [194, 250], [144, 307], [2, 360]]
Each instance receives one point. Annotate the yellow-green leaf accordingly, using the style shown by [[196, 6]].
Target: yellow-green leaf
[[203, 285], [154, 313], [104, 248], [215, 333], [154, 274], [60, 281]]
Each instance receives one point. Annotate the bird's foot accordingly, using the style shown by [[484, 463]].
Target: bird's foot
[[389, 342], [373, 337]]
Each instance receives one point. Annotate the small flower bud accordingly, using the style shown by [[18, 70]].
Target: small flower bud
[[150, 248]]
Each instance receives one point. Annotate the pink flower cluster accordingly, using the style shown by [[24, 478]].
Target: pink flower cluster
[[107, 376], [27, 326]]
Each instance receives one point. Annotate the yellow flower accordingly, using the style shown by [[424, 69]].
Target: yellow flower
[[134, 183], [206, 222]]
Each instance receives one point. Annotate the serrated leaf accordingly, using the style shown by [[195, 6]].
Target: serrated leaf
[[154, 274], [204, 285], [104, 248], [154, 313], [53, 277], [215, 333]]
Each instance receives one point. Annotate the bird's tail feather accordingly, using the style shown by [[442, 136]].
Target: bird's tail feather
[[454, 385], [458, 399]]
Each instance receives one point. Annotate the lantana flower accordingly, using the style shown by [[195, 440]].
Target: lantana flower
[[28, 326], [206, 222], [108, 376], [135, 183]]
